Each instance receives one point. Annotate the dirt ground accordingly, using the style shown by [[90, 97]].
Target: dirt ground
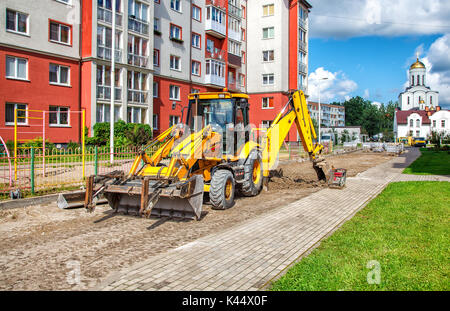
[[39, 244]]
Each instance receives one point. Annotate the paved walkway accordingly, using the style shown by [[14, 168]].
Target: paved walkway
[[250, 255]]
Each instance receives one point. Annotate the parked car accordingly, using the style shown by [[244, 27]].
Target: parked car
[[419, 142]]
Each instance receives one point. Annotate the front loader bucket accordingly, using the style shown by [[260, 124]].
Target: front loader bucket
[[181, 200]]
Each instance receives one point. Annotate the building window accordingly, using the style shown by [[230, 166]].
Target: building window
[[156, 57], [175, 5], [139, 11], [136, 115], [173, 120], [59, 74], [157, 1], [268, 33], [268, 79], [103, 113], [196, 13], [22, 113], [59, 115], [243, 11], [16, 68], [156, 24], [431, 100], [242, 34], [266, 123], [196, 40], [268, 56], [443, 123], [417, 133], [194, 91], [408, 100], [60, 33], [243, 57], [417, 123], [16, 21], [268, 10], [174, 92], [434, 123], [155, 89], [418, 80], [137, 51], [411, 122], [175, 32], [196, 68], [234, 47], [267, 102], [155, 121], [242, 79], [175, 62]]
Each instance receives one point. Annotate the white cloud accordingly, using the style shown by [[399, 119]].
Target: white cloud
[[336, 87], [378, 104], [355, 18], [437, 62]]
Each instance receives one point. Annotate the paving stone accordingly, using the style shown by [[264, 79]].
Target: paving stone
[[249, 255]]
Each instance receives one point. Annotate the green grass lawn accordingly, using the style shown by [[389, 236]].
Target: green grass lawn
[[430, 163], [406, 229]]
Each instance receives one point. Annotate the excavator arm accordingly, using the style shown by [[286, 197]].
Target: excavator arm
[[294, 112]]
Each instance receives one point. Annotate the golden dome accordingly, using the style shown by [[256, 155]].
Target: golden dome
[[417, 64]]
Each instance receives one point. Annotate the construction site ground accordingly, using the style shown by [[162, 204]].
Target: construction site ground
[[40, 244]]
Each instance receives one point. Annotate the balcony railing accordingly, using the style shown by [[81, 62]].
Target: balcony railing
[[105, 15], [215, 80], [217, 54], [303, 45], [137, 60], [104, 52], [234, 35], [302, 23], [137, 25], [104, 93], [137, 96], [302, 67]]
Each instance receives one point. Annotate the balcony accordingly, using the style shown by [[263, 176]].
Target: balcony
[[137, 60], [234, 60], [215, 80], [302, 67], [234, 35], [233, 85], [104, 93], [303, 23], [137, 96], [215, 29], [217, 54], [303, 45], [105, 15], [137, 25], [234, 10], [104, 52]]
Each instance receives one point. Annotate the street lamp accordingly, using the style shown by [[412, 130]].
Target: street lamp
[[319, 105]]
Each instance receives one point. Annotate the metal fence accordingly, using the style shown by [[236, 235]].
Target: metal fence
[[58, 169]]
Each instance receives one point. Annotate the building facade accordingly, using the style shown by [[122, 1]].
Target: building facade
[[277, 51], [419, 112], [330, 115], [418, 94], [40, 70], [163, 50]]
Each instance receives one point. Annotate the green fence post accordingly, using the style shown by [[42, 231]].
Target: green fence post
[[32, 170], [95, 161], [289, 149]]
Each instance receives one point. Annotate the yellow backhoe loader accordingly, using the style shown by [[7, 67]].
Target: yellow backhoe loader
[[214, 154]]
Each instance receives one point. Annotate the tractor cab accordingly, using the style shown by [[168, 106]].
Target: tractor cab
[[227, 114]]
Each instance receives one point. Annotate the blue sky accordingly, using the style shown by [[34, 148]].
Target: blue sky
[[366, 50]]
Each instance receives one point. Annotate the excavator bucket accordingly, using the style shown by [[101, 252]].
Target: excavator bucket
[[322, 169], [157, 197]]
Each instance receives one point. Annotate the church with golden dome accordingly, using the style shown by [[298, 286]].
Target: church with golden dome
[[418, 95]]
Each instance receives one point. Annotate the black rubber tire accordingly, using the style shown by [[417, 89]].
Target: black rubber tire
[[217, 190], [248, 187]]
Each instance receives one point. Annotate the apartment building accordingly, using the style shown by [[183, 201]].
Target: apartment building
[[199, 46], [40, 69], [133, 45], [330, 115], [278, 56]]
